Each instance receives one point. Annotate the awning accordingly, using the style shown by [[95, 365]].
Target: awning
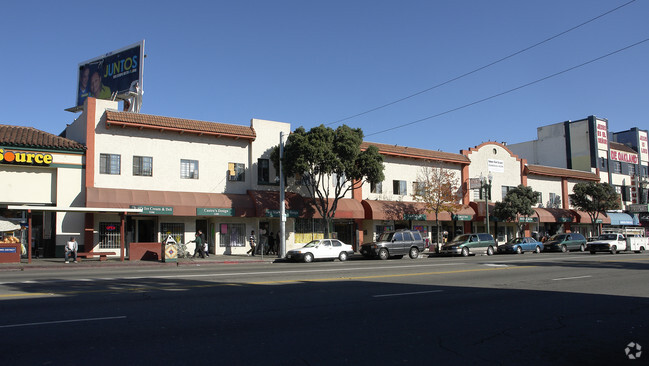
[[584, 218], [620, 218], [416, 211], [554, 215], [172, 203], [267, 205]]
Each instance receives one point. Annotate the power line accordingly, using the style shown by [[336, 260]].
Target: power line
[[482, 67], [510, 90]]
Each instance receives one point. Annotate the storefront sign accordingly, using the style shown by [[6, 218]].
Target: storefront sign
[[527, 219], [564, 219], [8, 250], [289, 213], [24, 158], [208, 211], [624, 157], [461, 217], [415, 217], [638, 208], [155, 210], [496, 166]]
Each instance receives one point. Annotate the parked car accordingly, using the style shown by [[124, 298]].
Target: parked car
[[565, 242], [321, 249], [395, 244], [521, 245], [466, 244]]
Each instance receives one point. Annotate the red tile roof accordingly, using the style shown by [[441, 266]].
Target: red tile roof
[[138, 120], [561, 172], [21, 136], [411, 152]]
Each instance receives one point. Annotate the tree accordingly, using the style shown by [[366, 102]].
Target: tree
[[594, 198], [437, 188], [330, 164], [517, 203]]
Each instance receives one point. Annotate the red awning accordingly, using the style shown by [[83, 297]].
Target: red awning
[[554, 215], [584, 218], [302, 207], [399, 210], [183, 203]]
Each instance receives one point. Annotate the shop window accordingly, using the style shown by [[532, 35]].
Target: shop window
[[309, 229], [236, 172], [399, 187], [109, 163], [175, 229], [263, 171], [188, 169], [143, 166], [232, 235], [109, 235], [376, 187]]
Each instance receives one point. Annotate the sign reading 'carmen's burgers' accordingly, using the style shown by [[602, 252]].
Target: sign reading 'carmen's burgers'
[[22, 157]]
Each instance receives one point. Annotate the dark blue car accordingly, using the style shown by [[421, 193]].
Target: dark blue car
[[521, 245]]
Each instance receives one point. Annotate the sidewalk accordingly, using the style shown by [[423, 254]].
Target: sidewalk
[[54, 263]]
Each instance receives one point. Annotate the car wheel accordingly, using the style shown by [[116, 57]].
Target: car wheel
[[308, 258], [564, 248], [641, 250], [537, 250], [490, 250], [383, 254], [613, 249], [414, 253], [342, 256], [519, 250], [465, 252], [582, 248]]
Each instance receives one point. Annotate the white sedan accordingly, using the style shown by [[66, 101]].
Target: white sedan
[[321, 249]]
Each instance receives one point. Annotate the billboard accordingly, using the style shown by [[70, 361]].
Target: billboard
[[116, 73]]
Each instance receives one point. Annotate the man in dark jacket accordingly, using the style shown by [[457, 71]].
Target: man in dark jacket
[[199, 245]]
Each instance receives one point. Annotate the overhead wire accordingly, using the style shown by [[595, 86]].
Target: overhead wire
[[510, 90], [482, 67]]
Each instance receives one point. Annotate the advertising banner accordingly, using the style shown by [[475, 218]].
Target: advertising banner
[[602, 135], [116, 72]]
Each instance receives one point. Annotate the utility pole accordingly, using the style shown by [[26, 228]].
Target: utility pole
[[282, 210]]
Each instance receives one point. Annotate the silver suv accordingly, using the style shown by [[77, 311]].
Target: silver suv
[[395, 244]]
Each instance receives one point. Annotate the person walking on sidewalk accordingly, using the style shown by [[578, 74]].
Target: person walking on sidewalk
[[199, 245], [252, 240], [71, 248]]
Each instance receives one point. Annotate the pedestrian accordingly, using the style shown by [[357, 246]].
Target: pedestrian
[[71, 248], [205, 246], [252, 240], [199, 245], [271, 244]]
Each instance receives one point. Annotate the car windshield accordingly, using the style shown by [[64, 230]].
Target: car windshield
[[386, 237], [558, 237], [461, 238], [607, 237], [312, 244]]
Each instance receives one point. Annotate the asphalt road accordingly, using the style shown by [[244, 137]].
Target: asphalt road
[[533, 309]]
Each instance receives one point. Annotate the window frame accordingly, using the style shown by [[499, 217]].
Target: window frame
[[106, 163], [139, 169], [191, 174]]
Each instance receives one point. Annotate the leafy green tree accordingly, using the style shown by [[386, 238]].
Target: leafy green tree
[[330, 163], [437, 188], [594, 198], [517, 202]]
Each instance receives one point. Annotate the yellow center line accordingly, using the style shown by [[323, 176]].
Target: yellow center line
[[391, 275]]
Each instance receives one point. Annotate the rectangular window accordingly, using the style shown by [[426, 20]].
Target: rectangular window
[[109, 235], [109, 163], [399, 187], [419, 188], [505, 189], [602, 164], [175, 229], [237, 172], [617, 167], [540, 198], [143, 166], [232, 235], [376, 187], [188, 169], [555, 201], [632, 169], [263, 171], [477, 194]]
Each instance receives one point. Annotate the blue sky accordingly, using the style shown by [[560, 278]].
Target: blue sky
[[308, 63]]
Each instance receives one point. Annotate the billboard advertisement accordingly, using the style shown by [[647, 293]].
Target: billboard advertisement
[[116, 72]]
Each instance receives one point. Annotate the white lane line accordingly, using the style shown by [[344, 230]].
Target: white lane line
[[63, 321], [569, 278], [409, 293], [496, 265]]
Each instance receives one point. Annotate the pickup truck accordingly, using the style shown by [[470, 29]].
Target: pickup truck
[[616, 242]]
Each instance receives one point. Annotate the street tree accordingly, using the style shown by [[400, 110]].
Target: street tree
[[437, 187], [516, 204], [330, 164], [594, 198]]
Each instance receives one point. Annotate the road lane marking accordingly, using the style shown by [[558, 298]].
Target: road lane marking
[[570, 278], [63, 321], [408, 293]]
